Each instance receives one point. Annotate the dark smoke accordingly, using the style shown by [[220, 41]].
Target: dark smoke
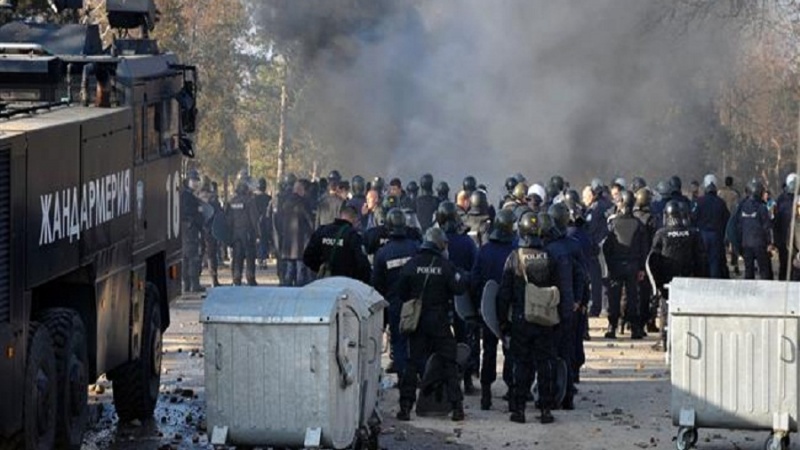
[[582, 88]]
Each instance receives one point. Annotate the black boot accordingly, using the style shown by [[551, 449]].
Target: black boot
[[637, 332], [612, 332], [546, 417], [651, 327], [486, 397], [215, 281], [517, 412], [404, 415], [568, 404], [458, 412], [469, 387]]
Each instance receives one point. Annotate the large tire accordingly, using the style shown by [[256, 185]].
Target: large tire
[[41, 391], [136, 385], [72, 365]]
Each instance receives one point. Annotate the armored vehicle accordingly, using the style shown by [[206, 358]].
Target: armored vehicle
[[91, 143]]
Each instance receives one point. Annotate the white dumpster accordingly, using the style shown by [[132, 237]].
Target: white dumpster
[[734, 356], [293, 367]]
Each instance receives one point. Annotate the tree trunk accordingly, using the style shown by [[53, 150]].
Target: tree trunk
[[282, 131]]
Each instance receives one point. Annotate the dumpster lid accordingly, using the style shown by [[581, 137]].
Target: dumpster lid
[[312, 304], [733, 297]]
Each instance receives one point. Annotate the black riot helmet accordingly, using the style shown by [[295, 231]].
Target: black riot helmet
[[662, 188], [290, 179], [560, 214], [643, 198], [547, 226], [426, 183], [552, 191], [470, 184], [520, 191], [675, 185], [395, 221], [242, 188], [626, 202], [557, 183], [412, 188], [510, 184], [334, 177], [447, 216], [478, 203], [529, 225], [637, 184], [358, 185], [503, 226], [572, 199], [443, 189], [597, 186], [673, 214], [378, 184], [435, 239], [262, 184], [756, 188]]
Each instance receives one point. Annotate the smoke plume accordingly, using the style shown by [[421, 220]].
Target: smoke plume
[[581, 88]]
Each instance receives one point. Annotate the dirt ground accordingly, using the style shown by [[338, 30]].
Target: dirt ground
[[623, 403]]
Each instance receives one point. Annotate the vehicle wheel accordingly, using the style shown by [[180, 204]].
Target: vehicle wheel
[[775, 442], [72, 366], [687, 438], [41, 391], [136, 385]]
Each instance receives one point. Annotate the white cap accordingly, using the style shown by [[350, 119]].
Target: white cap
[[538, 189], [791, 179], [708, 180]]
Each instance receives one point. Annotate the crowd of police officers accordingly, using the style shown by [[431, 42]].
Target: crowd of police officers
[[607, 248]]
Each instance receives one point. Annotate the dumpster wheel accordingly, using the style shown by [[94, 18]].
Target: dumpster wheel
[[687, 438], [777, 441]]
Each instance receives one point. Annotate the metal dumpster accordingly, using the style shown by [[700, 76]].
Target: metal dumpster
[[293, 367], [734, 357]]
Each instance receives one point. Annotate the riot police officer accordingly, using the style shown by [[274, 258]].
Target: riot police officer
[[430, 277], [386, 268], [412, 189], [599, 209], [336, 249], [208, 194], [462, 252], [241, 215], [192, 221], [531, 346], [489, 266], [711, 217], [571, 272], [641, 211], [262, 200], [330, 205], [625, 254], [678, 250], [478, 219], [785, 209], [752, 232], [358, 198], [469, 184], [427, 203], [443, 191]]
